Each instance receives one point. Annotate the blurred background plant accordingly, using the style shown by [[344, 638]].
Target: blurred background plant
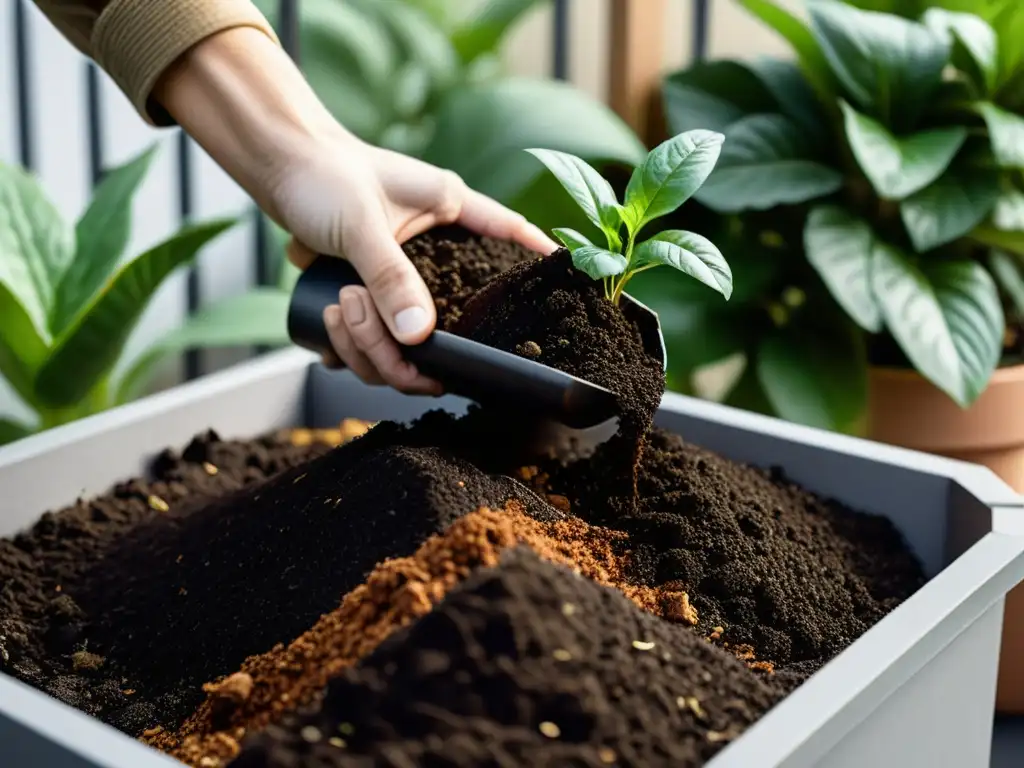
[[869, 198], [424, 77], [67, 302]]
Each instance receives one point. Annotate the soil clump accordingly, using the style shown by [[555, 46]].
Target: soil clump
[[398, 592], [43, 638], [548, 311], [526, 663], [766, 563], [217, 582], [455, 263]]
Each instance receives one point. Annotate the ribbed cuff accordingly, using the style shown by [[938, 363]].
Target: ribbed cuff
[[135, 41]]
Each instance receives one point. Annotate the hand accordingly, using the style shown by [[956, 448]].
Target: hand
[[349, 198]]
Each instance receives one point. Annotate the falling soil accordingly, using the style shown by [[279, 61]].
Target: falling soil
[[455, 263], [397, 593], [548, 311], [775, 567], [526, 664]]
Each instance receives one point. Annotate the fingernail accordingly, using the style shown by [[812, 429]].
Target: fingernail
[[411, 321], [541, 236], [352, 308], [332, 316]]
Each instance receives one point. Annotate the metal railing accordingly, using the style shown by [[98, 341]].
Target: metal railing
[[288, 29]]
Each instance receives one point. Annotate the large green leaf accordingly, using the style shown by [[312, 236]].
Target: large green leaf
[[257, 318], [711, 95], [482, 132], [946, 317], [949, 207], [792, 93], [669, 176], [1006, 131], [85, 353], [485, 29], [691, 254], [349, 58], [102, 234], [839, 247], [22, 349], [420, 39], [975, 48], [888, 65], [765, 163], [1007, 272], [809, 53], [36, 244], [598, 262], [898, 167], [11, 430], [815, 373]]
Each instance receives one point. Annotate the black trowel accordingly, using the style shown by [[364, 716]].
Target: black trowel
[[475, 371]]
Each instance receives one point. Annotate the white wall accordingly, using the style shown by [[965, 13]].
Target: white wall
[[226, 268]]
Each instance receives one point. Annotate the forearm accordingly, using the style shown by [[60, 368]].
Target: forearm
[[239, 95], [136, 41]]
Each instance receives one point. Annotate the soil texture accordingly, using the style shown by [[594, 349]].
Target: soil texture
[[526, 663], [43, 638], [424, 594], [455, 263], [550, 312], [766, 563], [397, 592]]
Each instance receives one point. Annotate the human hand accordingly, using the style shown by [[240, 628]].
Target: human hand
[[352, 199]]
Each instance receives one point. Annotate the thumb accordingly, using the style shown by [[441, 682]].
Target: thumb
[[397, 290]]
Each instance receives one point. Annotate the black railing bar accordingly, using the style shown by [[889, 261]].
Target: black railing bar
[[94, 123], [701, 24], [560, 40], [23, 86]]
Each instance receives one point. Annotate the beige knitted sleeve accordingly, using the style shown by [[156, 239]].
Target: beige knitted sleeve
[[135, 41]]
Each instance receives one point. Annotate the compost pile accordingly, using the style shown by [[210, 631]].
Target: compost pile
[[431, 593]]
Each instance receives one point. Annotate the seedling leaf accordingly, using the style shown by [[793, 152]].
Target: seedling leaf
[[598, 263], [588, 188], [691, 254], [669, 176], [570, 238]]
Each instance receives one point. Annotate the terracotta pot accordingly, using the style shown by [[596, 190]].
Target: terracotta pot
[[906, 410]]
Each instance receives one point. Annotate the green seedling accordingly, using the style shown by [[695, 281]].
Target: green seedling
[[670, 174]]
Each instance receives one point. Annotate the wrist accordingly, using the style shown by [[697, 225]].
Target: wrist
[[241, 97]]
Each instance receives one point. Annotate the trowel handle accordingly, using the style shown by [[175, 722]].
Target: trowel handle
[[318, 287]]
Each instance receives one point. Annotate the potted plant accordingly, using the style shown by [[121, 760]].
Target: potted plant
[[871, 188], [67, 302]]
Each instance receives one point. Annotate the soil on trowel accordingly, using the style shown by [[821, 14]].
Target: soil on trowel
[[398, 592], [526, 663], [548, 311], [766, 563], [42, 627], [455, 263]]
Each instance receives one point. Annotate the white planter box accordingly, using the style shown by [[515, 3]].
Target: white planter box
[[916, 691]]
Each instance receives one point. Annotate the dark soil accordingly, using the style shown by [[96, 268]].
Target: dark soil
[[42, 628], [550, 312], [526, 664], [455, 263], [221, 581], [127, 605], [797, 577]]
